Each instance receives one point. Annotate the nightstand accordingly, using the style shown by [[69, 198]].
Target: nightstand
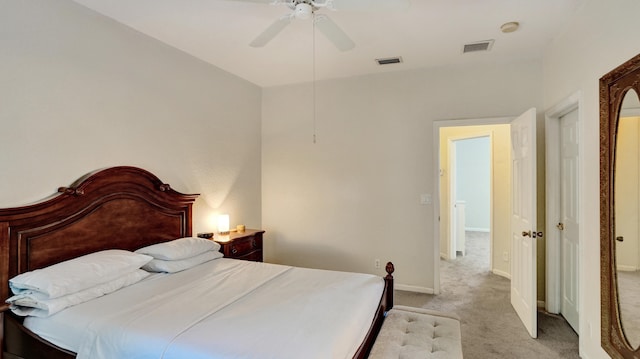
[[245, 245]]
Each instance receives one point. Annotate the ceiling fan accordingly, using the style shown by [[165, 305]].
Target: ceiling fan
[[306, 9]]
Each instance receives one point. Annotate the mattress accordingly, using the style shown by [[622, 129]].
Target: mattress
[[223, 309]]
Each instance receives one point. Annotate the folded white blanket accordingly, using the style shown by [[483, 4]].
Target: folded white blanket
[[172, 266], [34, 303], [79, 273]]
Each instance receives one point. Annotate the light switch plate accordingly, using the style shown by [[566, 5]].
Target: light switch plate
[[425, 198]]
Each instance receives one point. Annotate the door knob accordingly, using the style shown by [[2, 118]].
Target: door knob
[[620, 238], [560, 226], [526, 233]]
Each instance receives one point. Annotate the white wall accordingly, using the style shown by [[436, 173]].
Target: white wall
[[603, 35], [354, 195], [79, 92]]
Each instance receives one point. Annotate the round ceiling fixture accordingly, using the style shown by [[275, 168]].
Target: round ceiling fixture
[[303, 11], [510, 27]]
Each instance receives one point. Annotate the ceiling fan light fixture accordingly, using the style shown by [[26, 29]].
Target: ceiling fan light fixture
[[303, 11], [306, 9]]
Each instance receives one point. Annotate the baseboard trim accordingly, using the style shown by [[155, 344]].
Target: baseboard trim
[[581, 351], [414, 288], [501, 273], [627, 268]]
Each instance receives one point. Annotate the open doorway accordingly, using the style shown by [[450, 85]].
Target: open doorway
[[475, 173], [514, 224], [470, 170]]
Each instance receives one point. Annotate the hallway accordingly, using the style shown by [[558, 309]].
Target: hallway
[[490, 326]]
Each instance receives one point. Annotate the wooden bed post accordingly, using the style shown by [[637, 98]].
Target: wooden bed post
[[4, 278], [4, 307], [389, 284], [4, 260]]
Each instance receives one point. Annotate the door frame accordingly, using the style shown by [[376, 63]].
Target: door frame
[[553, 291], [437, 124]]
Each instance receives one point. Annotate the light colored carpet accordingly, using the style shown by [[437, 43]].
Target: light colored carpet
[[490, 327], [629, 292]]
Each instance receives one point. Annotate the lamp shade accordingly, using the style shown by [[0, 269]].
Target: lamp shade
[[223, 224]]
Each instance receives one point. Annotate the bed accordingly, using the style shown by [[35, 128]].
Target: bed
[[129, 208]]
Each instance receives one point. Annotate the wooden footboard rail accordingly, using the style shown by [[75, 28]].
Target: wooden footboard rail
[[386, 303], [21, 343]]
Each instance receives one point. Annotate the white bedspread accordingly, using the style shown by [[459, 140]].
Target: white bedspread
[[223, 309]]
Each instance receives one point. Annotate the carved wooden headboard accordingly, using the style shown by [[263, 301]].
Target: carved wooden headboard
[[119, 207]]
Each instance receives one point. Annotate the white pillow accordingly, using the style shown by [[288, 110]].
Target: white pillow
[[38, 305], [159, 265], [79, 273], [180, 248]]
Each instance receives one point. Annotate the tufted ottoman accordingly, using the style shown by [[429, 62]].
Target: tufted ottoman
[[411, 333]]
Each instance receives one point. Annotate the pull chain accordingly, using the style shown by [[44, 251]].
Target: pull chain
[[313, 84]]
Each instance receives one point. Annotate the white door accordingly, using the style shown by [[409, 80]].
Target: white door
[[568, 224], [523, 219]]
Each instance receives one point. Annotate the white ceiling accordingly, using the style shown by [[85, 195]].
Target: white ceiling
[[431, 33]]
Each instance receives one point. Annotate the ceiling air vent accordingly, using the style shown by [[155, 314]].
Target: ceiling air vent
[[478, 46], [389, 60]]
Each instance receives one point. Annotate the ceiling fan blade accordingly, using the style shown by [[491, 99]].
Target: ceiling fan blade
[[369, 5], [333, 32], [268, 2], [271, 32]]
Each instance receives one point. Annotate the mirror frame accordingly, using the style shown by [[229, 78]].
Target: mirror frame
[[613, 87]]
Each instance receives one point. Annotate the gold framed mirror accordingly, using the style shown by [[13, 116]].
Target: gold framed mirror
[[620, 210]]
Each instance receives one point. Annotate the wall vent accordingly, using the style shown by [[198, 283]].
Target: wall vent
[[478, 46], [389, 60]]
